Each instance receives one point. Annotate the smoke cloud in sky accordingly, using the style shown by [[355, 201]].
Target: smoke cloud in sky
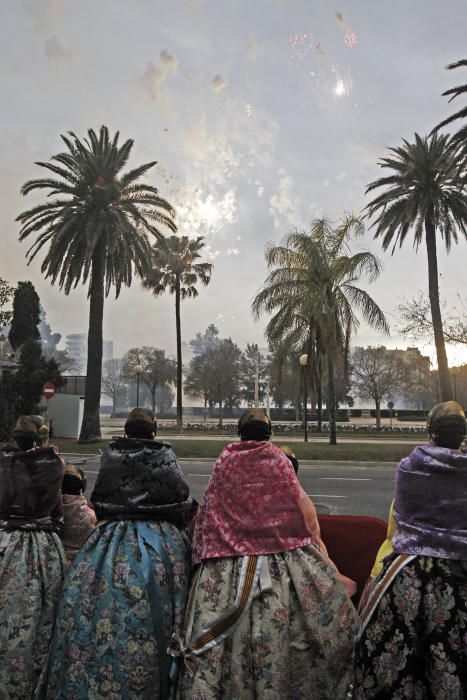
[[250, 137]]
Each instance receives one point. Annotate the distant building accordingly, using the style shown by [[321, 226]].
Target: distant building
[[77, 349]]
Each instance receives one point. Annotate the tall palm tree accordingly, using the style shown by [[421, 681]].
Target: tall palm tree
[[176, 268], [313, 284], [96, 230], [422, 194]]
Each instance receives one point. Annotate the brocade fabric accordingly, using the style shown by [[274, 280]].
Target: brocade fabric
[[415, 645], [431, 503], [251, 505], [296, 640], [141, 479]]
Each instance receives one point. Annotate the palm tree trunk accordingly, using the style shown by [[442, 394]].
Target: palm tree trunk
[[331, 401], [90, 427], [443, 370], [320, 391], [179, 355]]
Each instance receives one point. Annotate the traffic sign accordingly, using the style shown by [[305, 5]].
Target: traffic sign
[[48, 390]]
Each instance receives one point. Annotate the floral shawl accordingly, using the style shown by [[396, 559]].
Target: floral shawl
[[430, 506], [141, 480], [30, 489], [252, 505]]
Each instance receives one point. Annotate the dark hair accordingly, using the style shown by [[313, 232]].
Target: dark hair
[[140, 429], [450, 436], [255, 430], [73, 484], [26, 442]]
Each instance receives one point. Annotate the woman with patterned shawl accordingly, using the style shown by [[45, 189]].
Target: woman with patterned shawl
[[413, 638], [32, 560], [126, 590], [267, 616]]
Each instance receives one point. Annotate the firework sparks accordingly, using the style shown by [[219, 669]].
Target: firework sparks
[[350, 39], [249, 110], [300, 45]]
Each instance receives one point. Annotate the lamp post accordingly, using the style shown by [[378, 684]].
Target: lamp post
[[304, 364], [137, 369]]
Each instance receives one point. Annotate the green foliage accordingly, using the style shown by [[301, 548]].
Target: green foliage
[[175, 262], [251, 361], [33, 372], [460, 137], [96, 227], [26, 315], [6, 294], [158, 370]]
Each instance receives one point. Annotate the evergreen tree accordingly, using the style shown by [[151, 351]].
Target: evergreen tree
[[33, 372], [26, 315]]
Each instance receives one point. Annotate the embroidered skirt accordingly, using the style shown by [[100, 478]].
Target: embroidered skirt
[[32, 569], [125, 594], [295, 639], [415, 643]]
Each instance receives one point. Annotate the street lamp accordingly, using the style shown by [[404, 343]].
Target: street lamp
[[137, 369], [304, 364]]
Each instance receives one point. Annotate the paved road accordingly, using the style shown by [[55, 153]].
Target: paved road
[[341, 487]]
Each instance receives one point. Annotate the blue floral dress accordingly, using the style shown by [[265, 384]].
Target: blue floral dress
[[126, 591]]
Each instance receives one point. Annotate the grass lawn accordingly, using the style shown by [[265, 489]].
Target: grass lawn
[[210, 449]]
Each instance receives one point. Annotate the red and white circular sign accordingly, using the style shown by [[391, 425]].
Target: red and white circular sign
[[48, 390]]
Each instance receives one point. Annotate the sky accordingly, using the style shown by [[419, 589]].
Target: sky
[[262, 115]]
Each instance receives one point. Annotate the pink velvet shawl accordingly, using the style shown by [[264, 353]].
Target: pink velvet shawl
[[251, 505]]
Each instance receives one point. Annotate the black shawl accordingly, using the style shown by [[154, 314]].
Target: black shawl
[[140, 479]]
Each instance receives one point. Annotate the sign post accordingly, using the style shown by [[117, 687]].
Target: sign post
[[48, 392]]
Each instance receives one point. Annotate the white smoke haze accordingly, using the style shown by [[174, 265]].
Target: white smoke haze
[[47, 14], [251, 48], [155, 75], [284, 205], [58, 54]]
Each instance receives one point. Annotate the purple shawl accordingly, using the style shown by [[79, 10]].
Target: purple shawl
[[430, 506]]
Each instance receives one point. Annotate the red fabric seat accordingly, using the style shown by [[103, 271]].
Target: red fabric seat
[[352, 542]]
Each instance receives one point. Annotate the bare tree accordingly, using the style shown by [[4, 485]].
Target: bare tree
[[113, 382], [417, 324], [377, 373]]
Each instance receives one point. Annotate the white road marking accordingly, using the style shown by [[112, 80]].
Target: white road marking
[[341, 478], [325, 495]]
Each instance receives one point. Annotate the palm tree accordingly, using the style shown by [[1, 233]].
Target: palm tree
[[96, 229], [460, 137], [175, 268], [423, 193], [313, 284]]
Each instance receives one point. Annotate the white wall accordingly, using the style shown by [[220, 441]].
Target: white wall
[[66, 411]]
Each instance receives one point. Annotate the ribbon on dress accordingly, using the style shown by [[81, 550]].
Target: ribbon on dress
[[221, 628]]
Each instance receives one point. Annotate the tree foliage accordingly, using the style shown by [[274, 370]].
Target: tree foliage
[[422, 193], [114, 384], [95, 228], [26, 315], [312, 292], [6, 295], [377, 373], [158, 370], [32, 373], [176, 267]]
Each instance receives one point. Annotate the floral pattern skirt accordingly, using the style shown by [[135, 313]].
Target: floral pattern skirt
[[32, 569], [415, 644], [295, 640], [125, 594]]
